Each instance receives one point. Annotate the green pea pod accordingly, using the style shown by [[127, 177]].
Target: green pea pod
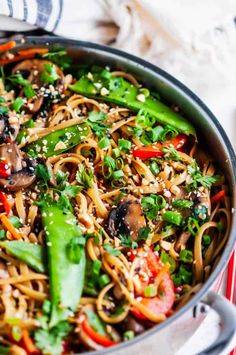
[[59, 141], [4, 350], [122, 92], [66, 274], [33, 255]]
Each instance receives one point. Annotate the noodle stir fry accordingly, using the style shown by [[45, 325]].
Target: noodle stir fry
[[111, 214]]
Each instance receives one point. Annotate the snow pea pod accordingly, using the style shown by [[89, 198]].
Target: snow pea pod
[[122, 92], [33, 255], [66, 261], [59, 141]]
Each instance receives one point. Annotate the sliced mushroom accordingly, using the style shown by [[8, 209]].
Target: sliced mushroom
[[126, 218], [32, 70], [23, 169], [9, 127], [182, 240], [11, 154]]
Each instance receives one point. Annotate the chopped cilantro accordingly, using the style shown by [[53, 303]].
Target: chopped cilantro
[[127, 242], [49, 74], [96, 122], [171, 153], [143, 233], [85, 176], [205, 181], [182, 204], [50, 340]]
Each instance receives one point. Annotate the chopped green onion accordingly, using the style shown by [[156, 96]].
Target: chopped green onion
[[104, 280], [186, 256], [119, 163], [155, 133], [172, 217], [206, 240], [168, 134], [29, 91], [2, 234], [20, 136], [150, 291], [193, 223], [128, 335], [157, 247], [152, 204], [108, 166], [105, 74], [143, 233], [104, 143], [16, 333], [144, 91], [181, 204], [3, 110], [118, 174], [17, 104], [124, 145], [29, 124], [154, 167], [97, 267], [166, 258], [116, 152]]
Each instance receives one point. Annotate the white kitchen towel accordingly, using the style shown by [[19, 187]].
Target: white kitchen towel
[[193, 40]]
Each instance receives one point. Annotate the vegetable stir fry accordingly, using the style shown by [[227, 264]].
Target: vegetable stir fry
[[111, 214]]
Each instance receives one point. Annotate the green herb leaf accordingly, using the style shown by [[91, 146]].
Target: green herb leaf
[[17, 104], [50, 341], [186, 256], [29, 91], [59, 57], [111, 250], [96, 122], [171, 153], [205, 181], [182, 204], [152, 204], [166, 258], [183, 276], [49, 74], [4, 110], [127, 242], [85, 176], [143, 233], [43, 173]]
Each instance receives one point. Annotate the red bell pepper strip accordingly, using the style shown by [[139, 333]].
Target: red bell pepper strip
[[217, 197], [7, 202], [6, 46], [98, 338], [149, 264], [5, 169], [155, 149], [28, 344]]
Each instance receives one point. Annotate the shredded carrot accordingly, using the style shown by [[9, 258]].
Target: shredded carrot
[[6, 46], [28, 343], [32, 51], [9, 226], [217, 197]]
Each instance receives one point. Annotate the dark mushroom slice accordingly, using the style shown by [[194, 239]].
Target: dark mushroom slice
[[9, 127], [11, 153], [126, 218], [32, 69], [21, 179]]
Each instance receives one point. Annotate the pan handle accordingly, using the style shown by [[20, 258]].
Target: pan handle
[[227, 312]]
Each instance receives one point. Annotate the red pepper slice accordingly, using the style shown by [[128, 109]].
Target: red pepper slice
[[98, 338], [5, 169], [218, 197], [149, 264], [7, 202], [155, 149]]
